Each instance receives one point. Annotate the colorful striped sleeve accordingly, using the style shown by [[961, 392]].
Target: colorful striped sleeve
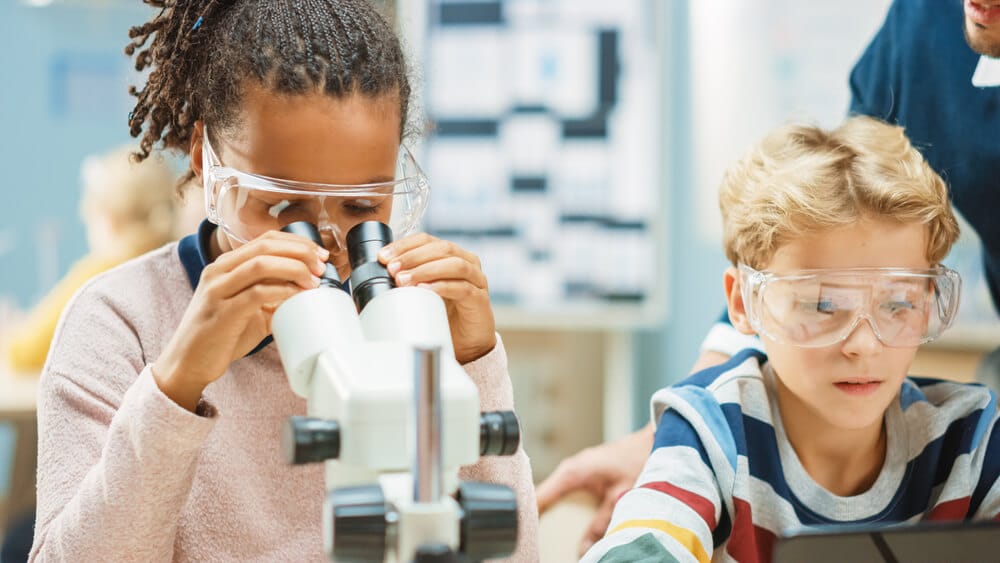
[[675, 508], [985, 501]]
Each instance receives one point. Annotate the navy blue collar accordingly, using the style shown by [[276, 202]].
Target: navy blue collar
[[194, 253]]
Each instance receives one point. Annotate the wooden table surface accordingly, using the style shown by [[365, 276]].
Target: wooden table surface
[[18, 394]]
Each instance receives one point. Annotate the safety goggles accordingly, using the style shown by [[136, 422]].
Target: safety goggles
[[816, 308], [246, 205]]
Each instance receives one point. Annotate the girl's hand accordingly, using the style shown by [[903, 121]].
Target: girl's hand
[[457, 276], [231, 310]]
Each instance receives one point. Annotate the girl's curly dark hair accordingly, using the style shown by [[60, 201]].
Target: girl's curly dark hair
[[201, 52]]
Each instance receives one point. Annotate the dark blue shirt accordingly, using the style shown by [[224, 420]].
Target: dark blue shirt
[[917, 73]]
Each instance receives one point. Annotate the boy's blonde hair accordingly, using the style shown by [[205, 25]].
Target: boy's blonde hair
[[802, 179]]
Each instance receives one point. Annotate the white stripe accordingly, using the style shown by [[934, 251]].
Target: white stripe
[[961, 480], [927, 421], [990, 508], [726, 339], [682, 467], [770, 510], [745, 386]]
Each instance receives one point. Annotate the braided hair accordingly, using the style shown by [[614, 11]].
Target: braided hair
[[201, 52]]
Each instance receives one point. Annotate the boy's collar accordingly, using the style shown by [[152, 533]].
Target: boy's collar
[[987, 73], [194, 252]]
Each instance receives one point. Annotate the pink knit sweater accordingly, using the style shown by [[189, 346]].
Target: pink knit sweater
[[125, 474]]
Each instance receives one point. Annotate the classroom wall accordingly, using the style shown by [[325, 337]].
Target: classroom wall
[[62, 96]]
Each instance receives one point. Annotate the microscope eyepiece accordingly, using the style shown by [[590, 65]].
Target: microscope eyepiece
[[369, 278], [330, 277]]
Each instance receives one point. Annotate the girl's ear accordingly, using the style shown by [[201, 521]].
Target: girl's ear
[[734, 299], [194, 151]]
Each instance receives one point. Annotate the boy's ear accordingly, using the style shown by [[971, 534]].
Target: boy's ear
[[734, 300], [194, 150]]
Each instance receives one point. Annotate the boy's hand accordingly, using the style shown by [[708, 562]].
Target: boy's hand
[[231, 310], [457, 276]]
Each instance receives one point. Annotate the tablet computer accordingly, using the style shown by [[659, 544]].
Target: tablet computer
[[977, 542]]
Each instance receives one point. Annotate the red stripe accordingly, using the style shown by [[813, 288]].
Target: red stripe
[[951, 510], [698, 503], [748, 543]]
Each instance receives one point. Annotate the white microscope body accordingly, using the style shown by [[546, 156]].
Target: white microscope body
[[388, 405]]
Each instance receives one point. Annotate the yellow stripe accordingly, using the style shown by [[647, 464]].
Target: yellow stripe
[[683, 536]]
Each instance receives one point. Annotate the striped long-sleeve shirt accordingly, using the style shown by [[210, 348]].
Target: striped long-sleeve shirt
[[723, 482]]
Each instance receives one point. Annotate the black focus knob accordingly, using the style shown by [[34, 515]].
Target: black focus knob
[[436, 553], [308, 440], [489, 520], [499, 433], [358, 516]]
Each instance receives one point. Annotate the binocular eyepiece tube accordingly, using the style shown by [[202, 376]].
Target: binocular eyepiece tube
[[369, 278], [330, 277]]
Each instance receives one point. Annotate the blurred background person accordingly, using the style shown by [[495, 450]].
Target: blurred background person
[[128, 209]]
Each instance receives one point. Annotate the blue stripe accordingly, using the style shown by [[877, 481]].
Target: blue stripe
[[990, 474], [986, 420], [931, 469], [910, 394], [739, 434], [764, 463], [675, 430], [723, 421], [711, 413], [761, 451], [707, 376], [723, 529], [934, 464], [922, 382]]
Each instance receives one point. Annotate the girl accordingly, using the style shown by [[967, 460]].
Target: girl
[[161, 404]]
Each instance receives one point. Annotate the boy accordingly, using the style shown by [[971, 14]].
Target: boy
[[836, 240]]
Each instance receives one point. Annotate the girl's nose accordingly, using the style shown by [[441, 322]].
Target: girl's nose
[[332, 239]]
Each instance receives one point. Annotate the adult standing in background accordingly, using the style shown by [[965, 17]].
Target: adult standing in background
[[933, 68], [936, 71], [128, 209]]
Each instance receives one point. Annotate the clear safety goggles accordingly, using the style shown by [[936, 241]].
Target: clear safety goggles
[[816, 308], [246, 205]]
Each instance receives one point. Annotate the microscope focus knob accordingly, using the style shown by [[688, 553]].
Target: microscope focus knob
[[436, 553], [499, 433], [489, 520], [359, 516], [308, 440]]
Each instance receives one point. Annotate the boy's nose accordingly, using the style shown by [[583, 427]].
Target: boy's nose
[[862, 341]]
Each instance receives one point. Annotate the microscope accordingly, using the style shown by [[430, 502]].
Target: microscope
[[393, 417]]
